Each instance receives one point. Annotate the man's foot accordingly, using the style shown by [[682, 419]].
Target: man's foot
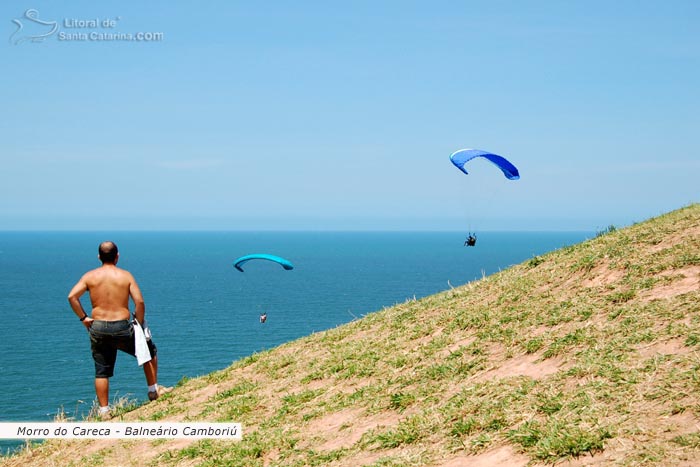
[[153, 395], [104, 416]]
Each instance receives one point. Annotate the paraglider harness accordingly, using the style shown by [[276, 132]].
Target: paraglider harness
[[471, 240]]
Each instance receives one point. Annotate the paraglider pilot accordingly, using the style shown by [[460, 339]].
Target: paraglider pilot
[[471, 240]]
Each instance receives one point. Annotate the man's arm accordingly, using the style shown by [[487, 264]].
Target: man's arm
[[139, 304], [74, 299]]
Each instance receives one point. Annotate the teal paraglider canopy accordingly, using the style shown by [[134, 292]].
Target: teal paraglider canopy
[[286, 264], [461, 157]]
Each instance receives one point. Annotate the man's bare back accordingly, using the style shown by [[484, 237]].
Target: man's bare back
[[110, 288]]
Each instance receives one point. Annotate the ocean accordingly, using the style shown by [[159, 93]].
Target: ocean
[[203, 313]]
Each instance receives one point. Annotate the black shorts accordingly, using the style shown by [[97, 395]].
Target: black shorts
[[106, 337]]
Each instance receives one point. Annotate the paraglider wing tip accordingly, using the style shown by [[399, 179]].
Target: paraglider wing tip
[[458, 163], [238, 267], [511, 172], [288, 267]]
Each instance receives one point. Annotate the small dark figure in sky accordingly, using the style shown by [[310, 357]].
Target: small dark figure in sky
[[471, 240]]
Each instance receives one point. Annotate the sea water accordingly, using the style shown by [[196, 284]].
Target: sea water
[[203, 313]]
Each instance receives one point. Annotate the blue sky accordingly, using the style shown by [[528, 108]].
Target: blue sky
[[330, 115]]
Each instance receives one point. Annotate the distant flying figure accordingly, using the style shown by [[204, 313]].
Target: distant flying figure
[[471, 240], [463, 157], [263, 317]]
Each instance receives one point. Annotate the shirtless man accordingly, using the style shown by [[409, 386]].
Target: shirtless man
[[110, 326]]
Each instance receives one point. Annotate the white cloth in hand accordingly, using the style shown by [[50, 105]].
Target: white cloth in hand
[[142, 353]]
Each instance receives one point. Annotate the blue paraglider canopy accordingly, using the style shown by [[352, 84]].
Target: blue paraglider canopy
[[461, 157], [244, 259]]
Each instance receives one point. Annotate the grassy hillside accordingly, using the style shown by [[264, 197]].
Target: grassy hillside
[[585, 356]]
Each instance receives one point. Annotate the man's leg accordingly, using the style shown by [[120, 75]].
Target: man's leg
[[150, 370], [102, 390]]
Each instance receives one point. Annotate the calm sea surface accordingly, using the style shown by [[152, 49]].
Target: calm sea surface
[[204, 313]]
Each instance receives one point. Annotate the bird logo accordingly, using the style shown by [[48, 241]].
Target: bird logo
[[31, 29]]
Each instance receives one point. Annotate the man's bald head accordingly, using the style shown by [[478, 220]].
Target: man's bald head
[[108, 252]]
